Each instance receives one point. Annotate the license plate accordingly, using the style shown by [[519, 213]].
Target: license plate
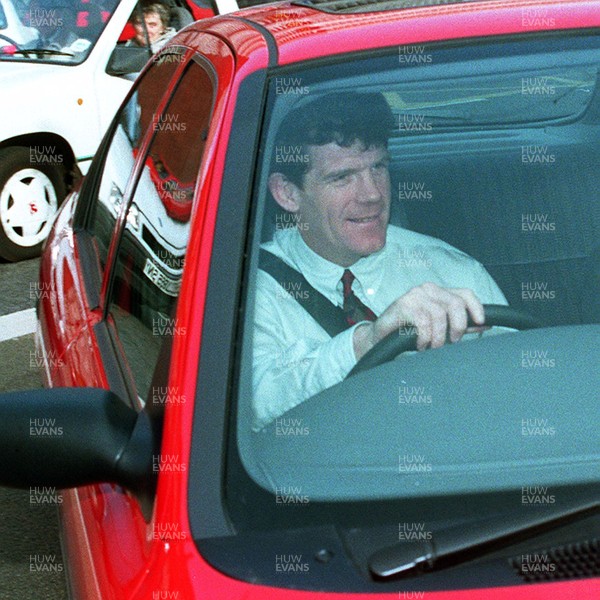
[[162, 281]]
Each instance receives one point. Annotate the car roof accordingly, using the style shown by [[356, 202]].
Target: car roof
[[301, 32]]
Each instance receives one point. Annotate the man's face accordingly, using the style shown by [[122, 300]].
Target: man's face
[[344, 202], [153, 25]]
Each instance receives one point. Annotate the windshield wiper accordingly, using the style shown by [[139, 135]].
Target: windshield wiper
[[41, 51], [464, 542]]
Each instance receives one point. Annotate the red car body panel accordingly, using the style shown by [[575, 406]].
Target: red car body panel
[[112, 551], [346, 33]]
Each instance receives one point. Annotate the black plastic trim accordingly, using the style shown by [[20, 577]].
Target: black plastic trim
[[88, 265], [206, 511], [112, 368]]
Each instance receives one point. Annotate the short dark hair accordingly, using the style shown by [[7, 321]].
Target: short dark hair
[[343, 118]]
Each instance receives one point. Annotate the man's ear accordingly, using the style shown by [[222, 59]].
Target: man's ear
[[284, 191]]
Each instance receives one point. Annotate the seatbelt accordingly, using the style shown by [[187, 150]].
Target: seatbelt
[[329, 316]]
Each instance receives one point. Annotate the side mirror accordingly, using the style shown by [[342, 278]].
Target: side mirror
[[69, 437], [128, 59]]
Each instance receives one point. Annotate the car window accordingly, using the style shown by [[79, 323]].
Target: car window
[[132, 124], [147, 274]]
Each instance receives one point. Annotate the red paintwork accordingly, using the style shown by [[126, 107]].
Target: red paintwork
[[112, 552]]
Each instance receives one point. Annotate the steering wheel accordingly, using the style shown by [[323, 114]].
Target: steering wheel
[[10, 41], [397, 342]]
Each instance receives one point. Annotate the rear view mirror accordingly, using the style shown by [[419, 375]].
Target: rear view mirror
[[128, 59]]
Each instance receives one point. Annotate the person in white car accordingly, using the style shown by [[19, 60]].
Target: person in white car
[[156, 17]]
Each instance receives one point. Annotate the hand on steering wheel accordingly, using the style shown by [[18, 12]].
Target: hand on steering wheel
[[397, 342]]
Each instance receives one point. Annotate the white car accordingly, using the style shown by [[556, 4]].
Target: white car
[[57, 100]]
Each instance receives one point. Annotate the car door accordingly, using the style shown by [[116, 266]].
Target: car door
[[134, 218]]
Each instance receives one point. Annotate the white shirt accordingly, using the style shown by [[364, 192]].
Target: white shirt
[[293, 356]]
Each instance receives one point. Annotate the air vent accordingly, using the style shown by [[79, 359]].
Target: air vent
[[571, 561]]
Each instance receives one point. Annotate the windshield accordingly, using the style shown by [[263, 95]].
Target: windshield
[[63, 31], [461, 175]]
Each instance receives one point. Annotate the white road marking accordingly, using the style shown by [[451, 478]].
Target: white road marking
[[17, 324]]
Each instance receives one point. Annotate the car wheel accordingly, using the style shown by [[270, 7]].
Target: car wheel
[[30, 194]]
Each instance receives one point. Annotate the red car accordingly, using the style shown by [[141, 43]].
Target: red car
[[199, 448]]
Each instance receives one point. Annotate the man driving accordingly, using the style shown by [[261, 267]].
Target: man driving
[[330, 173]]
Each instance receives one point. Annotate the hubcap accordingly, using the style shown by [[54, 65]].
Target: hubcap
[[28, 206]]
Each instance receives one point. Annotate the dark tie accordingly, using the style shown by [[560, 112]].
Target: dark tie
[[354, 310]]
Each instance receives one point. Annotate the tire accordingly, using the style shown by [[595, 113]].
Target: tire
[[32, 187]]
